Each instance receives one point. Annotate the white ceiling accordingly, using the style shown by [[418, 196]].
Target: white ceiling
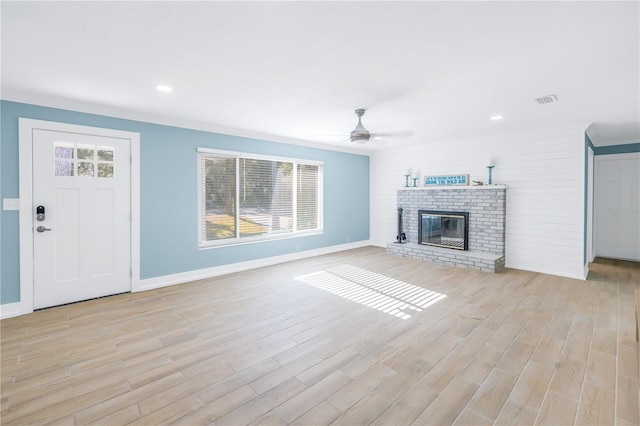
[[297, 70]]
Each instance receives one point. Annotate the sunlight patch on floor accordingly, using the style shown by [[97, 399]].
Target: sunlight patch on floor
[[374, 290]]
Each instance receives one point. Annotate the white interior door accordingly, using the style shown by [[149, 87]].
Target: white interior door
[[617, 205], [82, 245]]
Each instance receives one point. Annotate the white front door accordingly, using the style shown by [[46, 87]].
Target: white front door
[[82, 244], [617, 206]]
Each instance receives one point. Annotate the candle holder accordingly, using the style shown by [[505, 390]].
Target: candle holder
[[406, 181], [490, 170], [415, 182]]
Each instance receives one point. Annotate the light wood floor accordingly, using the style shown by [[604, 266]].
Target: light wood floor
[[358, 337]]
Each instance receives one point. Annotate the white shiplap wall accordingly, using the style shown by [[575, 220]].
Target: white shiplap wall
[[545, 193]]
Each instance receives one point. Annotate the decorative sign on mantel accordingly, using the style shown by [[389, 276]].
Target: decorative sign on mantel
[[446, 180]]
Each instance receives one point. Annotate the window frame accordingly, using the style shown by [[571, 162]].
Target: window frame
[[238, 240]]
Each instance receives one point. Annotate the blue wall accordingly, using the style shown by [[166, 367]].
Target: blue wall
[[169, 198]]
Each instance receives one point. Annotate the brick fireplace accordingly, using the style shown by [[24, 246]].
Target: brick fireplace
[[486, 208]]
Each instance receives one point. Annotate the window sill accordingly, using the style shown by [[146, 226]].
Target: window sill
[[255, 240]]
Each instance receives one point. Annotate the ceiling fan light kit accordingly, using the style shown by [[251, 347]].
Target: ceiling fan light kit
[[359, 134]]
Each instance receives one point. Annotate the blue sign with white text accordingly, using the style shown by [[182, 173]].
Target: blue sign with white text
[[446, 180]]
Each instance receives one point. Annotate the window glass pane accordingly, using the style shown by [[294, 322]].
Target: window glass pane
[[86, 152], [307, 203], [63, 150], [105, 153], [64, 168], [105, 170], [85, 168], [265, 197], [219, 197]]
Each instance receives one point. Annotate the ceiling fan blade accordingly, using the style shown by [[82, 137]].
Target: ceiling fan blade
[[398, 135]]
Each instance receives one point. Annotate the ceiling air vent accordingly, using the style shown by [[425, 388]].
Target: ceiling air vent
[[547, 99]]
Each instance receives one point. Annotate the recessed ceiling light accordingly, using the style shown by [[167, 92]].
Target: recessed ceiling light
[[496, 117], [164, 88]]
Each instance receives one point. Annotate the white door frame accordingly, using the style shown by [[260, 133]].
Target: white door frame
[[26, 129], [590, 207], [596, 174]]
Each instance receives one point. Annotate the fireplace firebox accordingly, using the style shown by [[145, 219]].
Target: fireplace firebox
[[444, 229]]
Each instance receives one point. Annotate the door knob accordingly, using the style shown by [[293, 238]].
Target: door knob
[[42, 229]]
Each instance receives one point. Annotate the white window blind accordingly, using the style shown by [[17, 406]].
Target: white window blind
[[245, 197], [265, 197], [307, 204]]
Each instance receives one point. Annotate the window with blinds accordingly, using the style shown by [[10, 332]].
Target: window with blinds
[[307, 196], [247, 197]]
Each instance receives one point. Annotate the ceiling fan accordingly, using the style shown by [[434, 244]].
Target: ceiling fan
[[361, 135]]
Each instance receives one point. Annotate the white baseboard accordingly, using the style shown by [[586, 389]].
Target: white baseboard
[[578, 275], [379, 244], [9, 310], [199, 274], [586, 270]]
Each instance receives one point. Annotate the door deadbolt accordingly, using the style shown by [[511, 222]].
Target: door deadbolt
[[42, 229], [40, 213]]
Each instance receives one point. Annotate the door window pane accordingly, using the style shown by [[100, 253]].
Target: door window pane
[[105, 153], [64, 168], [85, 169], [63, 150], [105, 170], [64, 154], [86, 152]]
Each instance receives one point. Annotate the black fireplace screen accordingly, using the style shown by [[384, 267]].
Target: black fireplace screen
[[444, 229]]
